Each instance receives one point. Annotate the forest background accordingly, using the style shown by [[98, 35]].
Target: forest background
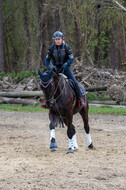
[[95, 29]]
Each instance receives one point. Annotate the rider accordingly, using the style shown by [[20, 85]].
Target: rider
[[61, 55]]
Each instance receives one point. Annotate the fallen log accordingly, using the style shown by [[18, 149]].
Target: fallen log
[[7, 83], [28, 94], [21, 94], [24, 102], [93, 89], [88, 76], [86, 83]]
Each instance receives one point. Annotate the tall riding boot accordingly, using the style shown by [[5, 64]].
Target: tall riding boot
[[81, 102]]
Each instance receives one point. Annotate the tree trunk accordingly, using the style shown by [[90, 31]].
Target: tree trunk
[[42, 17], [77, 40], [2, 60], [113, 51], [56, 16], [96, 50], [84, 42], [121, 41], [27, 33]]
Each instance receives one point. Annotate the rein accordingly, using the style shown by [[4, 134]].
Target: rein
[[52, 99]]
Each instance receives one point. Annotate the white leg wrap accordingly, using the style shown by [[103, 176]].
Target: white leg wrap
[[52, 134], [71, 143], [89, 141], [75, 141]]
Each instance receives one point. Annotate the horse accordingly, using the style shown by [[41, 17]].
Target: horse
[[62, 103]]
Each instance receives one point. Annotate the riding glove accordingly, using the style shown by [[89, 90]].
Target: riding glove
[[65, 65]]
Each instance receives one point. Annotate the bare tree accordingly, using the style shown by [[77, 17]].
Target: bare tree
[[73, 10], [27, 34], [56, 15], [2, 60], [114, 49], [42, 25], [121, 41], [97, 23]]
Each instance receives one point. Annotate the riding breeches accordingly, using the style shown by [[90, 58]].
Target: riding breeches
[[69, 73]]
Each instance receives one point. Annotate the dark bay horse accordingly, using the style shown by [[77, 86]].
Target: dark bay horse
[[62, 103]]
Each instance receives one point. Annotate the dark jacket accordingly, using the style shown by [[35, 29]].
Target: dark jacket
[[59, 55]]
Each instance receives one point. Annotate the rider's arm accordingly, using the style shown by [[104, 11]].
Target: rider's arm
[[70, 55]]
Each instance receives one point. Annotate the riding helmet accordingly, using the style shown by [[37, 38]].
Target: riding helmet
[[57, 35]]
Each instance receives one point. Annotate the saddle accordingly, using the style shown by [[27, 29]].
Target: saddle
[[72, 85]]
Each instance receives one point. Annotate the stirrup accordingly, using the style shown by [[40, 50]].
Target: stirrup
[[44, 105], [81, 103]]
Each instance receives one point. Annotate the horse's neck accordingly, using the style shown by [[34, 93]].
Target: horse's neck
[[59, 84]]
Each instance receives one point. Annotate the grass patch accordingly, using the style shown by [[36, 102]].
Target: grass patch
[[9, 107], [37, 108], [107, 110], [98, 96]]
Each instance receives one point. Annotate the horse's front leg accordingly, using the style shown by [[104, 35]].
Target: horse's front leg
[[71, 134], [53, 145]]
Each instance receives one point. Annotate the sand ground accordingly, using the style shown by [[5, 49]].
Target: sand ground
[[26, 162]]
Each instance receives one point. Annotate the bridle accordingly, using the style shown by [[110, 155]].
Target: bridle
[[52, 100]]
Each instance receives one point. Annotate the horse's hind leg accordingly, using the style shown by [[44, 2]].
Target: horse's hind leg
[[84, 115], [71, 133], [74, 138]]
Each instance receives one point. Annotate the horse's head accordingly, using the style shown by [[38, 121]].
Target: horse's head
[[47, 84]]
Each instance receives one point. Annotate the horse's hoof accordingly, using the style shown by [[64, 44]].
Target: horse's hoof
[[75, 148], [53, 147], [91, 146], [70, 150]]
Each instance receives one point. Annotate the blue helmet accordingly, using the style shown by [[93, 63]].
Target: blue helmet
[[57, 35]]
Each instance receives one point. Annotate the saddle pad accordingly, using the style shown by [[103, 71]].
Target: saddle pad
[[83, 92], [82, 89]]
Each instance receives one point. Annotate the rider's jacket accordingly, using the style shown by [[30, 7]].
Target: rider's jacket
[[59, 55]]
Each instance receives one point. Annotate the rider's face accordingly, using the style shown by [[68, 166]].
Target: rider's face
[[58, 41]]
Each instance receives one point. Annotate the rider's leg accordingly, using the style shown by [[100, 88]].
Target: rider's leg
[[69, 73]]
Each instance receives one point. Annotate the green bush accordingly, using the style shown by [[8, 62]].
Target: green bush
[[97, 96], [18, 77]]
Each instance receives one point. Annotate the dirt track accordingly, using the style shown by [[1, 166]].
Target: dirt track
[[26, 162]]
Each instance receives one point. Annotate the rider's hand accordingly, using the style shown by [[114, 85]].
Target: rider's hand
[[64, 65], [54, 68]]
